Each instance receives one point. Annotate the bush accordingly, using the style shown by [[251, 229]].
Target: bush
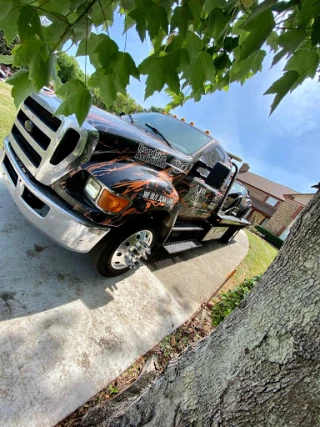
[[254, 231], [231, 299], [270, 237]]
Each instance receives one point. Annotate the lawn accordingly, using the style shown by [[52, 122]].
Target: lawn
[[8, 111], [259, 257]]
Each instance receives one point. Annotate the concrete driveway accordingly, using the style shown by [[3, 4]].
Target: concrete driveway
[[66, 332]]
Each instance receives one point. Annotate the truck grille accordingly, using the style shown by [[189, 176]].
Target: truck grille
[[40, 138], [26, 148], [48, 119], [45, 144]]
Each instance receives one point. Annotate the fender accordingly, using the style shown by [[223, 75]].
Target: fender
[[148, 189]]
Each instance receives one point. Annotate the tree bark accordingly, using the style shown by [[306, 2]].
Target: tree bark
[[260, 367]]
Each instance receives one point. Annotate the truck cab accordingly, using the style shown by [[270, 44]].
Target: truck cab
[[118, 187]]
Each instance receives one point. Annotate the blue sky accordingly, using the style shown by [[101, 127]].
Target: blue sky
[[283, 147]]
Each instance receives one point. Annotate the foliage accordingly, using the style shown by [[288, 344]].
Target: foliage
[[6, 49], [199, 46], [231, 299], [270, 237], [154, 109], [124, 103], [8, 111], [113, 390], [69, 68]]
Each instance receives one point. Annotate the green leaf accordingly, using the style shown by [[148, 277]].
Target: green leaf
[[259, 29], [103, 13], [113, 390], [56, 34], [315, 35], [216, 23], [98, 44], [149, 17], [222, 62], [305, 63], [81, 29], [290, 41], [63, 6], [211, 4], [181, 18], [200, 71], [242, 70], [193, 44], [31, 54], [114, 77], [281, 87], [106, 49], [6, 59], [29, 24], [310, 9], [22, 86], [76, 100], [230, 43], [161, 70], [8, 20], [157, 41], [260, 8], [272, 41], [196, 10], [106, 84], [122, 66]]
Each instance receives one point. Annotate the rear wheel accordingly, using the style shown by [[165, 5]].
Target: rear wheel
[[122, 250]]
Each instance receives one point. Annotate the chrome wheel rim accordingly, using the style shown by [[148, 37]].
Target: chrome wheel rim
[[132, 249]]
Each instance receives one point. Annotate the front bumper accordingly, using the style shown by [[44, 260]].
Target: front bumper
[[45, 210]]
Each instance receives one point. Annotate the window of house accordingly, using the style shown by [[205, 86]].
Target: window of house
[[272, 201]]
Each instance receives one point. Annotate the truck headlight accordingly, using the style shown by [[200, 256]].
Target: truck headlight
[[92, 188], [104, 198]]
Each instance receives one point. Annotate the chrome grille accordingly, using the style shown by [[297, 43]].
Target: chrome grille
[[25, 143], [37, 136]]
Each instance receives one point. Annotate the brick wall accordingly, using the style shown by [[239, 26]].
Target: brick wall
[[260, 195], [284, 215]]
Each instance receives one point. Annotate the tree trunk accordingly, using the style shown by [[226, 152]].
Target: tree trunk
[[260, 367]]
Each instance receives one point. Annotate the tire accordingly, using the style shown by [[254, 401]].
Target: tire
[[109, 255], [229, 235]]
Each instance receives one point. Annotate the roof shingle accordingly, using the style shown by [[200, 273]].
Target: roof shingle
[[272, 188]]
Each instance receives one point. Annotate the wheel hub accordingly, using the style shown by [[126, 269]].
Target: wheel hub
[[132, 249]]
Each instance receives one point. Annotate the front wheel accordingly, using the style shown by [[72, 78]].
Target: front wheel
[[122, 250]]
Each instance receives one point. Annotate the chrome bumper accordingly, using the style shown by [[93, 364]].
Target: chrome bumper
[[54, 219]]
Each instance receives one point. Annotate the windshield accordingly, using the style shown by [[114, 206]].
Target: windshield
[[180, 135]]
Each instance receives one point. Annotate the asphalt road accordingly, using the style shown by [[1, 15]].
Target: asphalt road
[[66, 332]]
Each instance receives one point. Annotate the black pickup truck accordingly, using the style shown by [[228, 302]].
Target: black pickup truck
[[119, 187]]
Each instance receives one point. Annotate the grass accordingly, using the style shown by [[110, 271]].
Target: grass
[[259, 257], [8, 111]]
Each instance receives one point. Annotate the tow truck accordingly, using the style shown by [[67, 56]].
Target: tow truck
[[119, 187]]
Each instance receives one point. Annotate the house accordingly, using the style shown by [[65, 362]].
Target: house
[[274, 206]]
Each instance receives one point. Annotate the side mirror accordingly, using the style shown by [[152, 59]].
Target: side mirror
[[218, 175]]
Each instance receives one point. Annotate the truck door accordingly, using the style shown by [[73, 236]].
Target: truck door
[[198, 199]]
